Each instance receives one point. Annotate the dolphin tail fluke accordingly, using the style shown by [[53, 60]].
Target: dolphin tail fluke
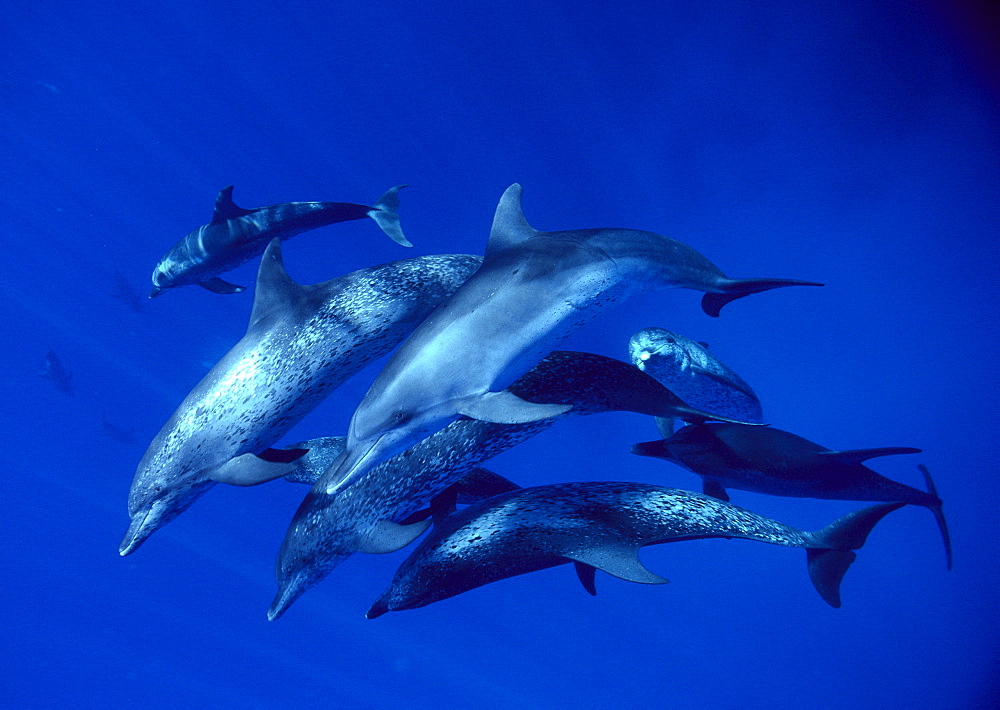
[[938, 513], [386, 215], [712, 303], [829, 559]]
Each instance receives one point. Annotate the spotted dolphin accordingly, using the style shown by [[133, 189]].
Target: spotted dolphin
[[302, 342], [533, 289], [365, 517], [775, 462], [694, 374], [601, 526], [236, 235]]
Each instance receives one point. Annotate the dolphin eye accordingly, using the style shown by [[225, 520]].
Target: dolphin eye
[[401, 417]]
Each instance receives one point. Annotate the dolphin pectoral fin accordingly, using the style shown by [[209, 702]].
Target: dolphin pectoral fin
[[505, 407], [585, 573], [714, 489], [217, 285], [829, 559], [509, 225], [712, 303], [387, 536], [225, 208], [617, 560], [249, 470], [386, 215], [857, 456], [655, 449], [938, 512]]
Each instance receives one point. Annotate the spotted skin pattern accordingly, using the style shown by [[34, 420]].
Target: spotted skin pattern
[[311, 340], [535, 528], [329, 528]]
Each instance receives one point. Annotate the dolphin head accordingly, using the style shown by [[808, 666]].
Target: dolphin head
[[316, 542], [159, 493], [653, 348], [377, 433], [411, 588], [163, 277]]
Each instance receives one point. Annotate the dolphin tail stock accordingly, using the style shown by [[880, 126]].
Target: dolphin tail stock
[[938, 512], [386, 215], [733, 289], [830, 558]]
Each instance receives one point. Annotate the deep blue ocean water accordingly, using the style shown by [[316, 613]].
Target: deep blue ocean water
[[850, 143]]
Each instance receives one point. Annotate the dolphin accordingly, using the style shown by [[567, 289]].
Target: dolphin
[[236, 235], [776, 462], [693, 374], [366, 517], [302, 342], [601, 526], [533, 289], [57, 372]]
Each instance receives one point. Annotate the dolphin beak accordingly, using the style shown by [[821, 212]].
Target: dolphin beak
[[288, 592], [350, 466], [378, 608], [156, 291], [138, 532]]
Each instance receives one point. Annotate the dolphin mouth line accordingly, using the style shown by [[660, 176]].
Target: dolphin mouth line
[[342, 479], [134, 537]]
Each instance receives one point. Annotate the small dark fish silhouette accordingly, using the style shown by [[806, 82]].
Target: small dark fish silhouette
[[119, 434], [126, 293], [776, 462], [601, 526], [55, 371]]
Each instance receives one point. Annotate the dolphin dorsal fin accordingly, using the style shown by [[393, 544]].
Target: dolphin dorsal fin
[[275, 292], [509, 225], [225, 208]]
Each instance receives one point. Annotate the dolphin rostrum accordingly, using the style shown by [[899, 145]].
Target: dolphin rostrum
[[694, 374], [601, 526], [302, 342], [365, 517], [776, 462], [236, 235], [533, 289]]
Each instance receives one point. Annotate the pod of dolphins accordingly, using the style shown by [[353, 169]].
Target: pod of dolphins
[[475, 372]]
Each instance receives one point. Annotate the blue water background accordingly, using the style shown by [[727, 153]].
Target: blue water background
[[851, 143]]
